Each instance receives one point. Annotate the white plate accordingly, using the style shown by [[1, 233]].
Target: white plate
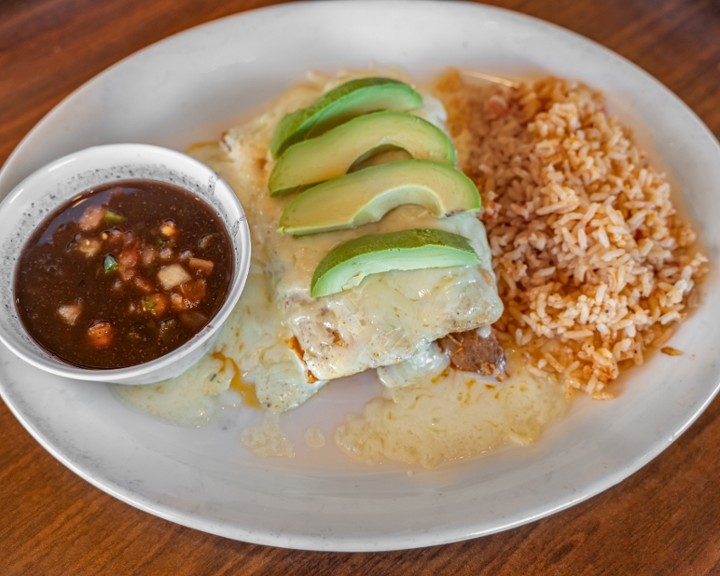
[[193, 85]]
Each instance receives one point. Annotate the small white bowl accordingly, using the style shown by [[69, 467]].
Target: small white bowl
[[27, 205]]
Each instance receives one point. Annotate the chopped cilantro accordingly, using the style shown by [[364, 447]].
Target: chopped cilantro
[[110, 264], [111, 217]]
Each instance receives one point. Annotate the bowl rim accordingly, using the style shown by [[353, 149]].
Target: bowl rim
[[173, 161]]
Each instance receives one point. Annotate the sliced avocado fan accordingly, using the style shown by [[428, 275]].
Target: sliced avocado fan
[[367, 195], [337, 150], [340, 104], [348, 264]]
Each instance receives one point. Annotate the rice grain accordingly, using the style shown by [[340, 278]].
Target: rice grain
[[593, 263]]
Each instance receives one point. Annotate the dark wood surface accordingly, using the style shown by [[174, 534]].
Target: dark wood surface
[[665, 519]]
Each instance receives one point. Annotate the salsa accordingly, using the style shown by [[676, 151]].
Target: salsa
[[123, 274]]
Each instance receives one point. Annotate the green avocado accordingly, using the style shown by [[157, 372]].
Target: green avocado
[[337, 150], [367, 195], [347, 264], [340, 104]]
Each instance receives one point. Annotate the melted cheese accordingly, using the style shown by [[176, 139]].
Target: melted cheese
[[193, 399], [268, 439], [455, 416]]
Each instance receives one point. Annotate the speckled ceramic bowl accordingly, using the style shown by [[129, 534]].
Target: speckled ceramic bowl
[[51, 186]]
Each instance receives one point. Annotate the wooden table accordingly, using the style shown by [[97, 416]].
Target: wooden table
[[662, 520]]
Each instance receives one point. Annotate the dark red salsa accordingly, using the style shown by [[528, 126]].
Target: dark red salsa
[[123, 274]]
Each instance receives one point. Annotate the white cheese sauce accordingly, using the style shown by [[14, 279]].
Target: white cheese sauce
[[451, 417]]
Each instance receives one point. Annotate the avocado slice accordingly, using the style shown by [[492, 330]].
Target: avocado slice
[[348, 264], [338, 105], [367, 195], [336, 151]]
